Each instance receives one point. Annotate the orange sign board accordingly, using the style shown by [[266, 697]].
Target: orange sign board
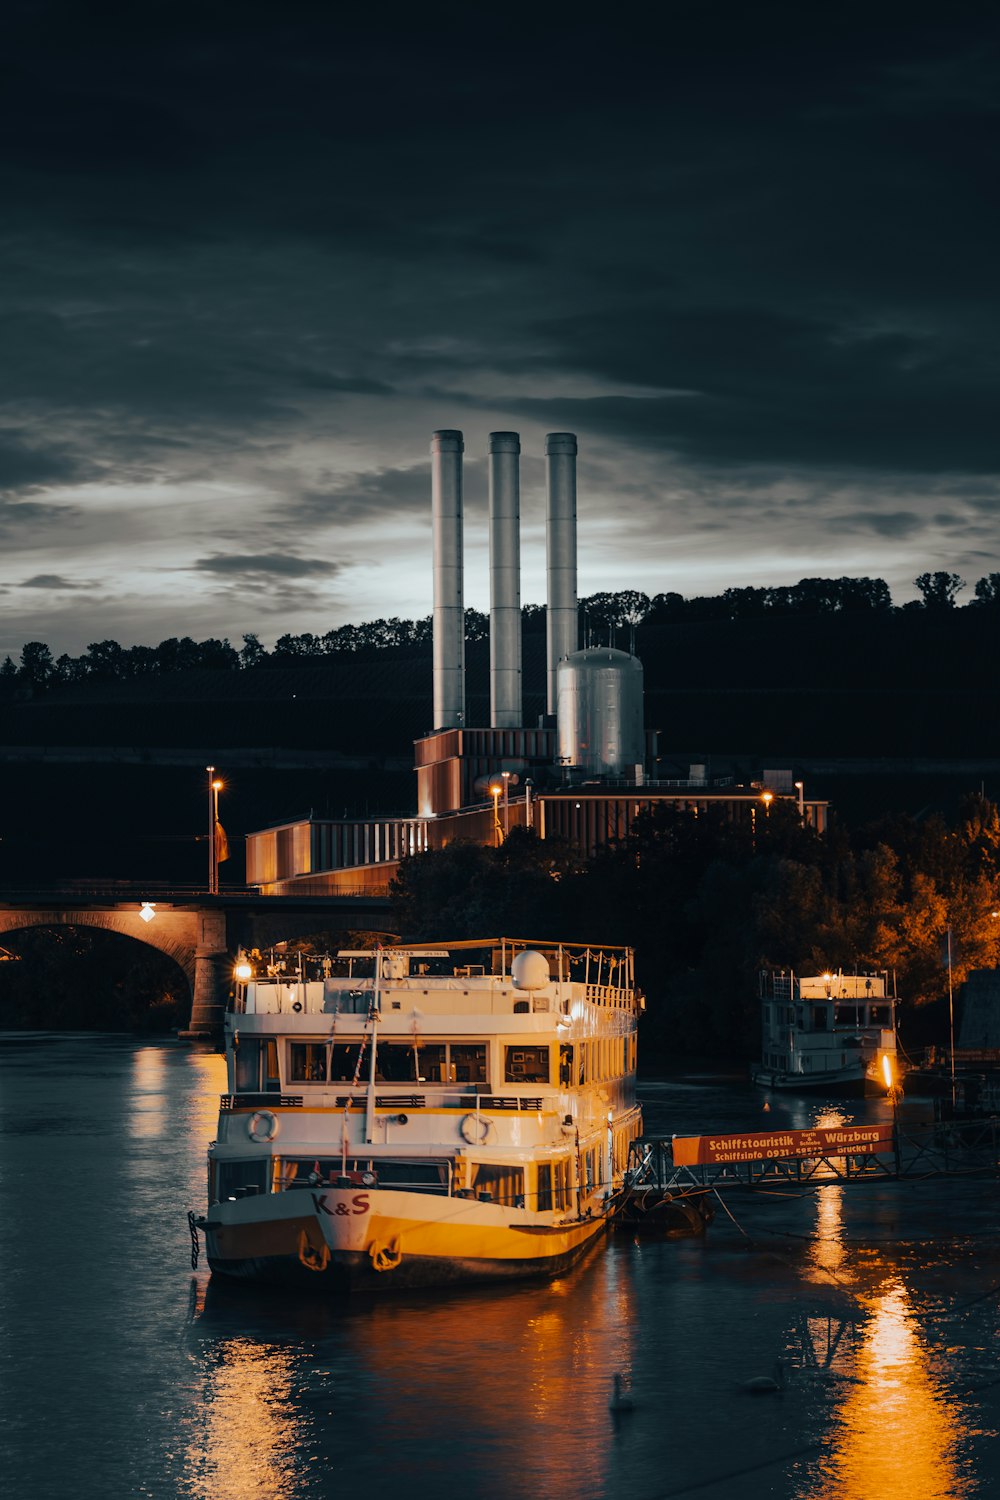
[[842, 1140]]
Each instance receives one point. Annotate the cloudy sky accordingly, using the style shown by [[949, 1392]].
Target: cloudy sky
[[254, 254]]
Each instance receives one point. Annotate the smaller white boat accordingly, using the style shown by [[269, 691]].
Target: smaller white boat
[[826, 1033]]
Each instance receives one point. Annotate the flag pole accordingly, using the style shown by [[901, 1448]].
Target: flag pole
[[213, 869]]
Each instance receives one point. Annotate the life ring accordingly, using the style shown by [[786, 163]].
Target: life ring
[[262, 1125], [474, 1129], [296, 1006], [385, 1257]]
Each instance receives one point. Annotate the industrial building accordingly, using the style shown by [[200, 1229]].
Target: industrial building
[[580, 774]]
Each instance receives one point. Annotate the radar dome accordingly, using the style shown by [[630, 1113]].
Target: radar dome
[[530, 970]]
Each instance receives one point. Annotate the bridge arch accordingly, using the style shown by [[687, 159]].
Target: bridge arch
[[175, 934]]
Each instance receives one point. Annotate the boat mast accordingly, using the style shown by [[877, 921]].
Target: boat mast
[[376, 1005]]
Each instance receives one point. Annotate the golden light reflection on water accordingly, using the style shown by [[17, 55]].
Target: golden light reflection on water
[[249, 1444], [148, 1111], [897, 1432], [209, 1069]]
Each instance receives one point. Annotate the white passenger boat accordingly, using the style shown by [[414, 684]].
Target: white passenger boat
[[415, 1116], [826, 1033]]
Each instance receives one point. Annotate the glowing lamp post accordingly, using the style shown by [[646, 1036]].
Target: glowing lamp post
[[496, 791], [214, 788], [893, 1091]]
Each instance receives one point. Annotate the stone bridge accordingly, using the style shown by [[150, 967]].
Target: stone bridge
[[200, 933]]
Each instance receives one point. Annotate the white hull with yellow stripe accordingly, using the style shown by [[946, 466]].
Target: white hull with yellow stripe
[[354, 1238]]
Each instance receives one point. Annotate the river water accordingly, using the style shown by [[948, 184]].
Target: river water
[[122, 1373]]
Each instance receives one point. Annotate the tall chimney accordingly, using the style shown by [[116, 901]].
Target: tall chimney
[[505, 580], [561, 626], [449, 609]]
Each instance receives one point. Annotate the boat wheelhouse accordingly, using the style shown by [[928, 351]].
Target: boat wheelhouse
[[826, 1032], [412, 1116]]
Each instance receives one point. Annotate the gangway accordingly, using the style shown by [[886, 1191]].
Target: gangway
[[663, 1171]]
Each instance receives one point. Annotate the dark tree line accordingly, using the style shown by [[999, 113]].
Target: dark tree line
[[708, 902], [605, 619]]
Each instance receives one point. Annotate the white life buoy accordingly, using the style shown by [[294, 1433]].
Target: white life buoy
[[262, 1125], [474, 1129]]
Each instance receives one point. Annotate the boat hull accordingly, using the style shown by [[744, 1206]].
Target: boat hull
[[849, 1083], [342, 1240]]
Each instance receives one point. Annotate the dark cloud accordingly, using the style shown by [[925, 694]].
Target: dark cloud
[[275, 565], [29, 464], [897, 525], [51, 581], [736, 248]]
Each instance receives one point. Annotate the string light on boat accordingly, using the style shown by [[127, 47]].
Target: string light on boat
[[147, 911]]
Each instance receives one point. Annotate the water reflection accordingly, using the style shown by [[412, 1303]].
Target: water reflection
[[898, 1432], [147, 1116], [249, 1446], [427, 1386]]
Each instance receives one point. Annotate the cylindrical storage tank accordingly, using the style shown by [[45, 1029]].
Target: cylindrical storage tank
[[561, 625], [599, 712], [449, 609], [505, 580]]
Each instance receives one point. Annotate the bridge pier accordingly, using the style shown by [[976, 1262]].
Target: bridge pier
[[212, 977]]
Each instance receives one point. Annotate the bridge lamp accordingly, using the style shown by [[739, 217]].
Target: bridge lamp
[[146, 911]]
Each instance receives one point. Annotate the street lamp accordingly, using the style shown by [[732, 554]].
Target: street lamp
[[496, 788], [214, 788]]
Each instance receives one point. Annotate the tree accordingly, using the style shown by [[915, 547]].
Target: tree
[[252, 653], [988, 591], [37, 666], [477, 625], [938, 590]]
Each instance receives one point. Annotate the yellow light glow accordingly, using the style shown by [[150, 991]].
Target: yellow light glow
[[887, 1069], [243, 972], [767, 797], [217, 786], [897, 1432]]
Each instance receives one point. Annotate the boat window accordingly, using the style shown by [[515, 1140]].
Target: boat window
[[256, 1065], [881, 1015], [413, 1176], [250, 1174], [344, 1063], [304, 1172], [497, 1184], [846, 1015], [526, 1065], [452, 1062], [468, 1064], [561, 1194], [819, 1018], [307, 1062], [248, 1067], [271, 1079], [566, 1064], [553, 1184]]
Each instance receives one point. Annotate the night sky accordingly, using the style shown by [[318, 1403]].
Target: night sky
[[254, 255]]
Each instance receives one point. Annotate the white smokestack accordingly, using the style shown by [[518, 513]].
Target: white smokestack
[[505, 580], [447, 448], [562, 631]]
